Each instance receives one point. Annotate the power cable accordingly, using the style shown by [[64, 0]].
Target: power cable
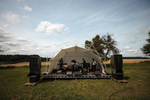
[[117, 91]]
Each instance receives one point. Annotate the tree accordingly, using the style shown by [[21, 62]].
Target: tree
[[104, 45], [146, 47], [2, 49]]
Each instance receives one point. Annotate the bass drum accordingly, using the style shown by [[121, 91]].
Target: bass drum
[[70, 68], [76, 67]]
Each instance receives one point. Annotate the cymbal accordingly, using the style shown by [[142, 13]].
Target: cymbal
[[65, 65]]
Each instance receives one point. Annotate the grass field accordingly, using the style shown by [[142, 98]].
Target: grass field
[[12, 80], [131, 61]]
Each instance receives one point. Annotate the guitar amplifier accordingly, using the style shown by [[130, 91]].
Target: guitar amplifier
[[69, 73], [97, 73], [59, 71], [77, 73]]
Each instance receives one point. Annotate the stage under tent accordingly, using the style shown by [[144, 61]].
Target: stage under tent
[[61, 65]]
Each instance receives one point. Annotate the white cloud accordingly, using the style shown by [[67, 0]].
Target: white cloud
[[127, 47], [51, 29], [2, 25], [147, 30], [54, 29], [46, 46], [65, 29], [4, 35], [38, 48], [136, 32], [3, 32], [42, 26], [12, 43], [9, 16], [21, 39], [6, 25], [27, 8], [20, 0], [133, 50], [122, 52], [26, 17]]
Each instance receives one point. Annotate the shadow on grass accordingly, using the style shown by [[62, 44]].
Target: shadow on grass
[[43, 80], [126, 77], [8, 67], [66, 79], [50, 80]]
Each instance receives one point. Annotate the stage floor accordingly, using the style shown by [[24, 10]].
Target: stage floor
[[88, 76]]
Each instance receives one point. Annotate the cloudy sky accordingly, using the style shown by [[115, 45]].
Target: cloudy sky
[[45, 26]]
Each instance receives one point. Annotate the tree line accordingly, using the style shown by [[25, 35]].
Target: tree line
[[10, 59], [135, 58]]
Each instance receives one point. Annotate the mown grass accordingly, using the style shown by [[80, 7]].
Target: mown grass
[[12, 80]]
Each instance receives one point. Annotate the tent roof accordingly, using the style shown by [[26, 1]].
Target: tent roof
[[74, 49]]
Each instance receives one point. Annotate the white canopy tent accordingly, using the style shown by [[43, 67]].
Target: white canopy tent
[[74, 53]]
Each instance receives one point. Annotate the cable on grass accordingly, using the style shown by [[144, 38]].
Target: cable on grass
[[117, 91]]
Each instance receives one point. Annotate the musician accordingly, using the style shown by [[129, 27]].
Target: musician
[[73, 63], [84, 63], [61, 63], [94, 65]]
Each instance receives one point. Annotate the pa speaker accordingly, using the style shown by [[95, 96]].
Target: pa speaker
[[34, 78], [116, 62], [118, 76], [35, 64]]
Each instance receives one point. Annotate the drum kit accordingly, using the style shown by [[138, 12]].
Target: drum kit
[[77, 67]]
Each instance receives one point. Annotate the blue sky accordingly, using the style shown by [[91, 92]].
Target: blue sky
[[45, 26]]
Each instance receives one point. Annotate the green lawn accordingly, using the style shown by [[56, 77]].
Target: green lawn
[[12, 80]]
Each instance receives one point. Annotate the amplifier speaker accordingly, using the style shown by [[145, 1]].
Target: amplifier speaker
[[59, 71], [77, 73], [69, 73], [84, 73], [54, 70], [97, 73]]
